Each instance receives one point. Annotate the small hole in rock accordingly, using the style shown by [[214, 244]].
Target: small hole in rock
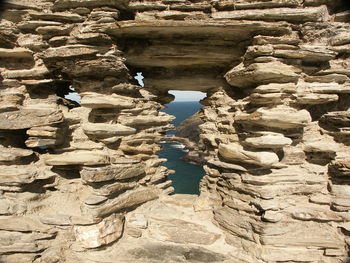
[[139, 77]]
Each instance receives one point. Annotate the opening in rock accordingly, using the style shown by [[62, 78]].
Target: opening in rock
[[73, 96], [139, 78], [181, 145]]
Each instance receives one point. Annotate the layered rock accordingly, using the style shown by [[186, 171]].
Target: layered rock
[[275, 128]]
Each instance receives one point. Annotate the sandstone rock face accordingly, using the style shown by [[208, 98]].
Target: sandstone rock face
[[274, 130], [103, 233]]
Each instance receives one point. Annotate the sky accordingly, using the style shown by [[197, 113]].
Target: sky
[[187, 95], [179, 95]]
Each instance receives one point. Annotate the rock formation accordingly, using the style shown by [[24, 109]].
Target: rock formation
[[275, 131]]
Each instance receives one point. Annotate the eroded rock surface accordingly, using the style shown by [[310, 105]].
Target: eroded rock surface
[[80, 181]]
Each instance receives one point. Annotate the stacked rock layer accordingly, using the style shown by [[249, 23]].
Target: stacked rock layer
[[275, 132]]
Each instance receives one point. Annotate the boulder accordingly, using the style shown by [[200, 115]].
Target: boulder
[[23, 224], [58, 17], [315, 99], [69, 52], [295, 235], [78, 158], [94, 101], [268, 140], [126, 200], [180, 231], [11, 155], [276, 88], [103, 130], [16, 242], [293, 15], [29, 117], [281, 117], [111, 172], [262, 73], [106, 232], [146, 120], [18, 53], [235, 153]]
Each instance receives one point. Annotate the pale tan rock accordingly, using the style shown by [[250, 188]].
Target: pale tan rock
[[134, 232], [67, 220], [307, 53], [281, 117], [39, 71], [235, 153], [338, 78], [269, 141], [314, 214], [180, 231], [12, 207], [19, 257], [272, 216], [115, 172], [320, 199], [22, 224], [295, 235], [114, 188], [48, 31], [286, 40], [340, 190], [95, 101], [16, 242], [232, 29], [29, 117], [321, 146], [330, 88], [149, 120], [266, 99], [229, 219], [128, 199], [340, 39], [18, 53], [224, 4], [78, 158], [69, 52], [229, 166], [107, 130], [276, 88], [10, 155], [275, 254], [30, 26], [95, 200], [335, 252], [284, 176], [138, 220], [277, 14], [11, 100], [17, 175], [261, 73], [107, 231], [59, 17], [314, 99], [293, 155], [342, 16]]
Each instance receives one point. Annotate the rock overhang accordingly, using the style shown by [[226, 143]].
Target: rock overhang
[[187, 55]]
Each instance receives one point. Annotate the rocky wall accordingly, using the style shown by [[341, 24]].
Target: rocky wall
[[275, 126]]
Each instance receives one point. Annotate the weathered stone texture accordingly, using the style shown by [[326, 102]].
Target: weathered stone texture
[[274, 129]]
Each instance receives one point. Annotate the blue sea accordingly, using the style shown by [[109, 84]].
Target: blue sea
[[187, 176]]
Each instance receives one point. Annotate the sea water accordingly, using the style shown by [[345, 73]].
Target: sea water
[[187, 175]]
